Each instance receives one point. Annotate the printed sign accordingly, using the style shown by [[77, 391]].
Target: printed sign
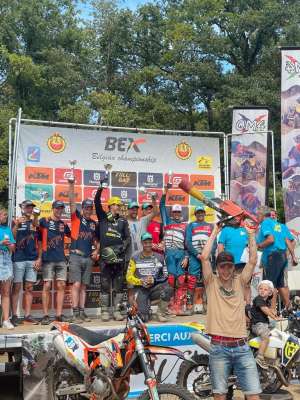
[[175, 179], [126, 195], [150, 180], [62, 193], [35, 192], [203, 182], [38, 175], [63, 174], [90, 192], [93, 177], [123, 179]]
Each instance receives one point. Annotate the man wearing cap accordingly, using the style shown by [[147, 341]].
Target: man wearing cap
[[176, 255], [271, 240], [197, 234], [84, 251], [234, 240], [27, 259], [139, 226], [155, 228], [226, 320], [147, 274], [115, 243], [53, 231]]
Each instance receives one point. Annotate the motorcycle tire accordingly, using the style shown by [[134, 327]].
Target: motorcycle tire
[[186, 368], [165, 390], [53, 380]]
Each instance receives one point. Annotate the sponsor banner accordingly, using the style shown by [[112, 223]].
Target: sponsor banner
[[249, 145], [136, 159], [207, 193], [177, 196], [89, 192], [290, 144], [174, 179], [35, 192], [145, 197]]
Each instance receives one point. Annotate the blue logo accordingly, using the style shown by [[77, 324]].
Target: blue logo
[[33, 154]]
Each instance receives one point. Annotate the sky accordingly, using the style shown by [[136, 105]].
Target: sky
[[132, 4]]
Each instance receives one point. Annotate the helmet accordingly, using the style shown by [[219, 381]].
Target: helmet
[[114, 200], [109, 256]]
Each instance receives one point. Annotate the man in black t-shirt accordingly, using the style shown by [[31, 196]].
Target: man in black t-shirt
[[260, 311]]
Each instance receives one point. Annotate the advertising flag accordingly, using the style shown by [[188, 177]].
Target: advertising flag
[[248, 177]]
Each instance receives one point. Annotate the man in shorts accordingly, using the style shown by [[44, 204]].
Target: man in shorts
[[271, 240], [53, 231], [226, 320], [84, 251], [27, 259]]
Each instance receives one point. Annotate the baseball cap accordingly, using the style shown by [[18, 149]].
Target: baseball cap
[[146, 236], [176, 207], [132, 204], [224, 258], [58, 204], [146, 205], [87, 203], [199, 208], [27, 203]]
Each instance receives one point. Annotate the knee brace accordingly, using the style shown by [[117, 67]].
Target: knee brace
[[191, 282]]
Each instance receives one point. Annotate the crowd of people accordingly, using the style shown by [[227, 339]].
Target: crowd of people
[[151, 255]]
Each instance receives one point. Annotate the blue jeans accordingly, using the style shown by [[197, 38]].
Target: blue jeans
[[223, 361]]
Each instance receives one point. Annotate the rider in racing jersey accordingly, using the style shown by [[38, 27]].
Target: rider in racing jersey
[[197, 234], [115, 243], [176, 255]]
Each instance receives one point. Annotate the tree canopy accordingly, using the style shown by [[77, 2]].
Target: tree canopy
[[173, 64]]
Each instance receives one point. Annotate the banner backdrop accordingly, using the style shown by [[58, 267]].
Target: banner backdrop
[[248, 179], [290, 139], [137, 160]]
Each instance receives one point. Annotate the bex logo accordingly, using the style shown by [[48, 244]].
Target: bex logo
[[123, 144]]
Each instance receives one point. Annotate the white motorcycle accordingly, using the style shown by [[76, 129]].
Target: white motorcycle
[[282, 356]]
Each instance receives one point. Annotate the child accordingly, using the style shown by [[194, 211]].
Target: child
[[6, 269], [260, 311]]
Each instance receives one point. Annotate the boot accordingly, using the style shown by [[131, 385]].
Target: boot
[[117, 312], [83, 316], [76, 316], [105, 315], [161, 313]]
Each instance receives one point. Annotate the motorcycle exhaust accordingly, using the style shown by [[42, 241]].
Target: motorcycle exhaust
[[201, 340], [280, 375]]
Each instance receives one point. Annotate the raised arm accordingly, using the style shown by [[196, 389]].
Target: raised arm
[[72, 197], [98, 205], [206, 252], [163, 210], [249, 268]]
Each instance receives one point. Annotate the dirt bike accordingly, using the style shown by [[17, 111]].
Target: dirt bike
[[282, 357], [98, 366]]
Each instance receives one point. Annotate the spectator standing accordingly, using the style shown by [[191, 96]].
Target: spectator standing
[[27, 259], [176, 255], [7, 246], [147, 274], [156, 229], [53, 232], [115, 244], [234, 240], [226, 320], [197, 234], [84, 252], [271, 240]]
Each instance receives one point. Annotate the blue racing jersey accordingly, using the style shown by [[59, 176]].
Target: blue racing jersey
[[234, 240]]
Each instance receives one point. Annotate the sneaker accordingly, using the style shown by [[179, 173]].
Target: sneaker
[[118, 316], [7, 325], [45, 320], [15, 320], [105, 316], [30, 320], [76, 317], [83, 316], [260, 360], [61, 318]]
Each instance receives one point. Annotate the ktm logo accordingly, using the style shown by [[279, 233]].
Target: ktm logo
[[56, 143], [123, 144], [183, 151]]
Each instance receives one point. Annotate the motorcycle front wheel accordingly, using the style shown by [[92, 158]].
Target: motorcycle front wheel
[[169, 392]]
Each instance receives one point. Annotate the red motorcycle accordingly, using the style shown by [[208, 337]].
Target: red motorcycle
[[98, 366]]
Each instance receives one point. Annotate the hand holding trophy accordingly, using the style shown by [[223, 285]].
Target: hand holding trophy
[[104, 181], [71, 176], [170, 178]]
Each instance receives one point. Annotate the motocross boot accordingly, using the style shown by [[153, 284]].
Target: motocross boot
[[105, 315], [117, 309], [161, 313]]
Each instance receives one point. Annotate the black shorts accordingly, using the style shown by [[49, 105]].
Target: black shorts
[[274, 269]]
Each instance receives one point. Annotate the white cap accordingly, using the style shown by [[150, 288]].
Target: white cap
[[177, 207]]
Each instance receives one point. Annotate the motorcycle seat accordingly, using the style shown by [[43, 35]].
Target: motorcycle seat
[[91, 337]]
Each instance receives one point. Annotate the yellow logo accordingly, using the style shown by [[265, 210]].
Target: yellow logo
[[183, 151], [56, 143], [204, 162], [290, 349]]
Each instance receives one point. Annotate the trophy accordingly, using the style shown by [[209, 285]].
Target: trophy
[[71, 175], [104, 182], [142, 190], [43, 197], [170, 177]]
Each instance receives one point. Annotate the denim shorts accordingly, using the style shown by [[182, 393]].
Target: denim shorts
[[6, 267], [57, 270], [225, 361], [24, 270]]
